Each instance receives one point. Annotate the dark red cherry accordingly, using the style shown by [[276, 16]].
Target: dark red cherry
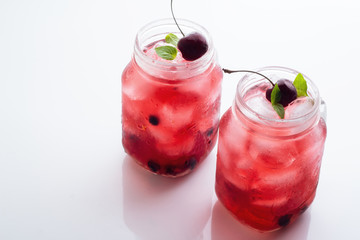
[[268, 93], [192, 46], [287, 90]]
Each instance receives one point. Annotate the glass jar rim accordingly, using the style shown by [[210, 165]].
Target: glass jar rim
[[275, 122], [144, 61]]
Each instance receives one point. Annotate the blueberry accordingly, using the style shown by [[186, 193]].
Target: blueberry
[[192, 46], [170, 170], [191, 163], [154, 120], [210, 131], [284, 220], [130, 137], [154, 167], [288, 91]]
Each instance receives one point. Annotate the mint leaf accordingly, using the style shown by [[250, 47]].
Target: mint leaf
[[279, 109], [300, 85], [166, 52], [172, 39], [275, 99], [275, 94]]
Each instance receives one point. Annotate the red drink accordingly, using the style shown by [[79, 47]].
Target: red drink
[[267, 167], [170, 109]]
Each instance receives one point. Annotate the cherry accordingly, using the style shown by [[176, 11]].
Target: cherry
[[192, 46], [268, 93], [287, 90]]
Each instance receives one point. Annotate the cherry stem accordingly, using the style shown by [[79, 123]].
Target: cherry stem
[[172, 13], [247, 71]]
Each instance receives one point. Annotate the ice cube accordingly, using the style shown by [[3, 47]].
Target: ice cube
[[206, 85], [172, 141], [262, 106], [279, 201], [176, 117], [277, 180], [134, 86], [240, 179], [271, 154], [179, 146], [299, 107]]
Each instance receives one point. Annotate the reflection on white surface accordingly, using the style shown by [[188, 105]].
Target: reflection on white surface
[[158, 208], [225, 226]]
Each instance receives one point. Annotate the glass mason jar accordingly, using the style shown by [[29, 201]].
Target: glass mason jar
[[268, 168], [170, 109]]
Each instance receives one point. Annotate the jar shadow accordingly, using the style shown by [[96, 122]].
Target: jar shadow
[[225, 226], [157, 207]]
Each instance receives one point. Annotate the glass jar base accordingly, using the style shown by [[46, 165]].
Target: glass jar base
[[257, 218]]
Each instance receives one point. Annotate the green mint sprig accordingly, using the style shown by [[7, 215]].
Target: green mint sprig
[[300, 85], [168, 52], [172, 39], [275, 99]]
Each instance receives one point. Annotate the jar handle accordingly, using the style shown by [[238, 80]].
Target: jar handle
[[323, 109]]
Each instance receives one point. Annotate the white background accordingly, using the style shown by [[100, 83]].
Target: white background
[[63, 171]]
